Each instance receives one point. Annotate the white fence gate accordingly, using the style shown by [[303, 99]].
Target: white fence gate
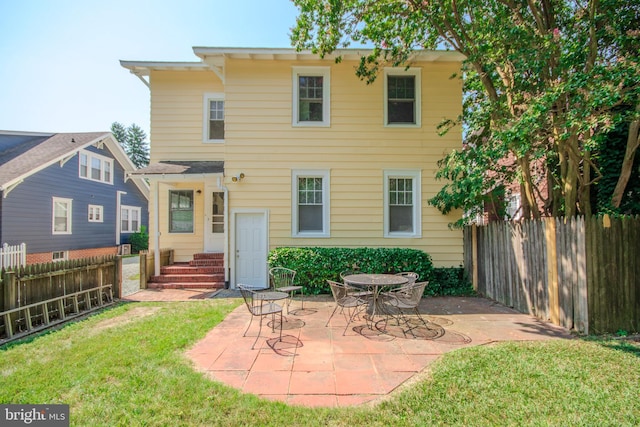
[[13, 255]]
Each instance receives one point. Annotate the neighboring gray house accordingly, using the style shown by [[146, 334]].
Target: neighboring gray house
[[66, 195]]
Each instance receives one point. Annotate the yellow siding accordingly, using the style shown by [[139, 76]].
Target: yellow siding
[[261, 142]]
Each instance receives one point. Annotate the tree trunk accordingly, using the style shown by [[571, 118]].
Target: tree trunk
[[633, 140]]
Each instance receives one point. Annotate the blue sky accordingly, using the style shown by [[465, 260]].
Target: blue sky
[[59, 59]]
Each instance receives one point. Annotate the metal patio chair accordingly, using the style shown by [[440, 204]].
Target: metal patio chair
[[260, 308], [406, 298], [282, 280], [345, 299]]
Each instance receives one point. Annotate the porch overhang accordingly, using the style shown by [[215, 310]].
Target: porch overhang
[[180, 170]]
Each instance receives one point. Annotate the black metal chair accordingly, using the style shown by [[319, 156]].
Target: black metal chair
[[260, 308], [404, 299], [282, 280], [345, 298]]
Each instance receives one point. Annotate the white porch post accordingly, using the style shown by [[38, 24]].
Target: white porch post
[[156, 239]]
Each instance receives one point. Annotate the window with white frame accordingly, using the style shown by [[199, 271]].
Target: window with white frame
[[213, 130], [181, 211], [310, 204], [402, 204], [61, 216], [130, 219], [59, 255], [402, 97], [96, 213], [95, 167], [311, 96]]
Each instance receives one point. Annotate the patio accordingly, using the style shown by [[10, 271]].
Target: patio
[[316, 365]]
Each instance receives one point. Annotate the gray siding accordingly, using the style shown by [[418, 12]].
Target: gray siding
[[27, 210]]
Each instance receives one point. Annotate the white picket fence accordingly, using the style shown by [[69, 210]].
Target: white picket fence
[[13, 255]]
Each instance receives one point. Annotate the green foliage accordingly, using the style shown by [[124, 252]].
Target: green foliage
[[133, 141], [449, 281], [314, 266], [139, 240]]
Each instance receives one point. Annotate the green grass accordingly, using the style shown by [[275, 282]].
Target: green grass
[[126, 367]]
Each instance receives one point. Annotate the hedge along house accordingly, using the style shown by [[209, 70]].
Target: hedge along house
[[66, 196], [256, 148]]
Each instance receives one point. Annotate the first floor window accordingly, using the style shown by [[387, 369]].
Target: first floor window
[[61, 216], [130, 219], [96, 213], [181, 211], [59, 256], [402, 204], [311, 203]]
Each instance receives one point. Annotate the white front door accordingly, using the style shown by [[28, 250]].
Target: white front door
[[251, 249], [214, 220]]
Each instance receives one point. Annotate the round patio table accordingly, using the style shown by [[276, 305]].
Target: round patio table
[[375, 283]]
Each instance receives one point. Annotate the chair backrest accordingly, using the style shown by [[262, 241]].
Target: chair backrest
[[247, 296], [338, 290], [281, 276], [413, 277], [412, 294]]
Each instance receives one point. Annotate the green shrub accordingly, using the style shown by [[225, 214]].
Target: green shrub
[[314, 266], [449, 281], [139, 240]]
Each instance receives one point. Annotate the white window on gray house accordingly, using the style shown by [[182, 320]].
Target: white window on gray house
[[311, 89], [213, 130], [130, 219], [310, 216], [59, 255], [95, 167], [402, 97], [96, 213], [181, 211], [402, 204], [61, 217]]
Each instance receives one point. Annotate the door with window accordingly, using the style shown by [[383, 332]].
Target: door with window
[[214, 221]]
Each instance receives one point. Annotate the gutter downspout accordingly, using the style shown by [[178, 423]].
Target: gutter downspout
[[119, 195], [226, 233]]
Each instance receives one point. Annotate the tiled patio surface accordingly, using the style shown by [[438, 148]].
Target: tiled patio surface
[[316, 365]]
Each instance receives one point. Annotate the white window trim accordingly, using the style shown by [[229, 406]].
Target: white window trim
[[168, 226], [131, 209], [90, 155], [417, 73], [95, 208], [416, 175], [210, 96], [65, 256], [69, 203], [325, 72], [326, 208]]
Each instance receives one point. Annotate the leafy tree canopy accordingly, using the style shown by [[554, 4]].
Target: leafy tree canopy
[[544, 81], [133, 140]]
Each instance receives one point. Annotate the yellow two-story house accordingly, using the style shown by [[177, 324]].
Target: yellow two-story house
[[257, 148]]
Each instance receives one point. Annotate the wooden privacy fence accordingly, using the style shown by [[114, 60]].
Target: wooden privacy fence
[[579, 273], [36, 296]]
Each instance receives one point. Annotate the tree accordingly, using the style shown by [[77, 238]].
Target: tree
[[543, 81], [132, 140]]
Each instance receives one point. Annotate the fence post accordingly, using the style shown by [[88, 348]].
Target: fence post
[[10, 290], [474, 256], [142, 260], [552, 259], [118, 276]]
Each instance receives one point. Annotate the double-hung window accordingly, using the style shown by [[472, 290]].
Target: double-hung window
[[311, 96], [310, 207], [96, 213], [181, 211], [95, 167], [213, 130], [130, 219], [402, 211], [402, 97], [61, 216]]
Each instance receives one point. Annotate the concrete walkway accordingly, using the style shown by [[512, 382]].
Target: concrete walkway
[[315, 365]]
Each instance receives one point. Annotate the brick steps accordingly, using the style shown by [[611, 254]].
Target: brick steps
[[204, 271]]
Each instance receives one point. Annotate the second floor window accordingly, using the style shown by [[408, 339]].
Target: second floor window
[[213, 117], [402, 97], [96, 167], [311, 88], [181, 211]]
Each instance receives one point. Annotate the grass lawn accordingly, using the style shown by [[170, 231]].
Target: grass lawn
[[125, 367]]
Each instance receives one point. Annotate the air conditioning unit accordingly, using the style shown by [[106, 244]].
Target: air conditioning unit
[[124, 249]]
